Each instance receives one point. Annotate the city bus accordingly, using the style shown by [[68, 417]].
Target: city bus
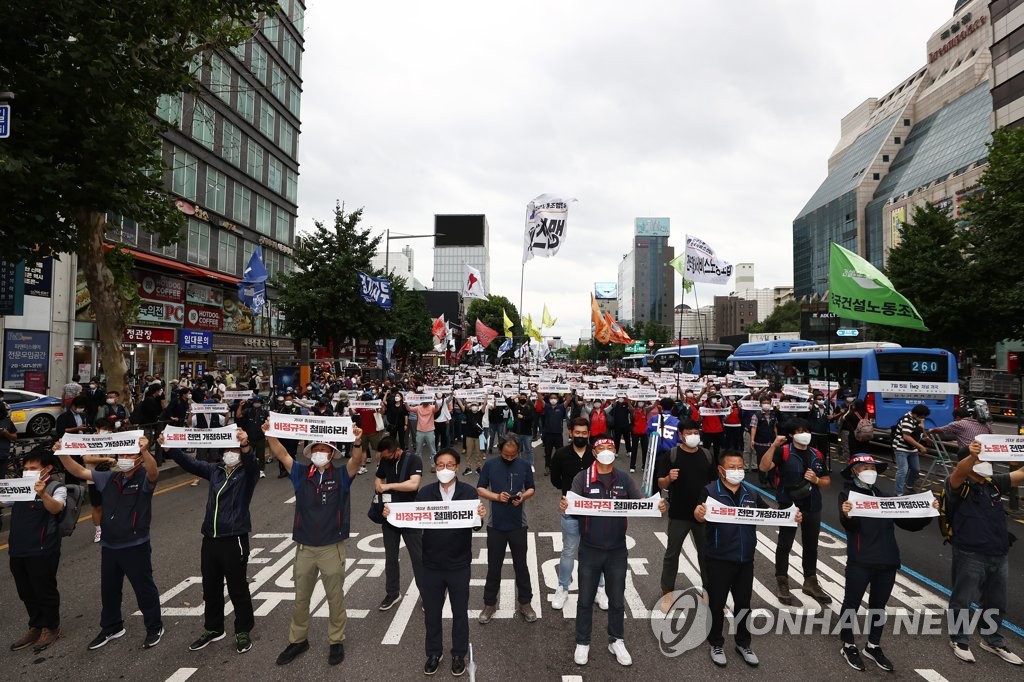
[[636, 361], [710, 359], [854, 365]]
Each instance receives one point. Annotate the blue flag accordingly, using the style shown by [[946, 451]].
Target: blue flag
[[505, 347], [252, 295], [255, 272], [375, 290]]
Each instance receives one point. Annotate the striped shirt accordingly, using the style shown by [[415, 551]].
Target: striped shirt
[[909, 426]]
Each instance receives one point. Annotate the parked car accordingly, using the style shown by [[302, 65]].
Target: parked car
[[33, 414]]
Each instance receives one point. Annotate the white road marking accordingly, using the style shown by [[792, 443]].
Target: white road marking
[[402, 616], [930, 675], [182, 674], [572, 678]]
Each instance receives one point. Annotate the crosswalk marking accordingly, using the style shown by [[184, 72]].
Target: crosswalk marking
[[182, 674], [930, 675]]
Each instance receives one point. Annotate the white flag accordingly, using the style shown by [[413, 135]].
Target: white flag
[[703, 265], [546, 218], [472, 283]]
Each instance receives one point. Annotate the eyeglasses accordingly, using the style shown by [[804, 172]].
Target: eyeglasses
[[450, 467]]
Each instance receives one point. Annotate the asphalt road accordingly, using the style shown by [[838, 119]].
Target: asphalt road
[[389, 645]]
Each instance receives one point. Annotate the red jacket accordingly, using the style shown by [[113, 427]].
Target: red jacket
[[598, 423], [639, 421]]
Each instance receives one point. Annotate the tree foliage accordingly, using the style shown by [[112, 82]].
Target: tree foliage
[[785, 318], [489, 311]]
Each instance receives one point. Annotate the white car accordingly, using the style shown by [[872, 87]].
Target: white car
[[33, 414]]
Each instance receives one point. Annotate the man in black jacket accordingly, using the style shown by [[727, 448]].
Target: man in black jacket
[[226, 526], [621, 418], [522, 424]]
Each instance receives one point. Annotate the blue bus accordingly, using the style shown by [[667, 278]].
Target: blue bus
[[854, 365], [636, 361], [710, 359]]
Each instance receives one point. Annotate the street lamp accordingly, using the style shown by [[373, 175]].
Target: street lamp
[[387, 244]]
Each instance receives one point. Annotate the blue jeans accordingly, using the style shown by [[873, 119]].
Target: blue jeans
[[494, 434], [908, 466], [525, 447], [570, 548], [425, 438], [594, 562], [979, 578]]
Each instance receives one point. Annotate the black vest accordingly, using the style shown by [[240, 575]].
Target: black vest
[[127, 509], [322, 508], [33, 530]]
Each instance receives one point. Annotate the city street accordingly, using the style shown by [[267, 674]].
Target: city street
[[389, 645]]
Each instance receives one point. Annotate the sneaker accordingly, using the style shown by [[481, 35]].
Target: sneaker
[[242, 642], [749, 657], [487, 614], [98, 534], [204, 639], [291, 651], [336, 654], [718, 656], [362, 470], [632, 471], [527, 612], [582, 654], [152, 638], [874, 653], [27, 640], [1000, 651], [852, 656], [194, 484], [558, 601], [962, 651], [478, 471], [430, 667], [47, 636], [601, 599], [388, 602], [465, 472], [618, 648], [458, 665], [102, 639], [263, 475]]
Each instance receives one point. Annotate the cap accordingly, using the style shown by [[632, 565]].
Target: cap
[[862, 458], [307, 451]]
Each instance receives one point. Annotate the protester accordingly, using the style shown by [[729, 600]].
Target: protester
[[711, 427], [522, 424], [425, 412], [764, 429], [99, 463], [398, 475], [284, 404], [472, 430], [963, 429], [908, 445], [112, 407], [250, 415], [552, 423], [621, 418], [639, 438]]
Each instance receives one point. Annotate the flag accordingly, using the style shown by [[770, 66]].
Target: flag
[[252, 295], [699, 263], [505, 347], [375, 290], [547, 320], [439, 332], [255, 272], [472, 283], [477, 348], [858, 291], [617, 333], [531, 330], [508, 323], [546, 216], [466, 347], [601, 329], [523, 349], [485, 334]]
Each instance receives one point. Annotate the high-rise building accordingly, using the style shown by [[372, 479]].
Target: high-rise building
[[733, 315], [605, 293], [744, 276], [460, 240], [399, 263], [1007, 62], [922, 141], [693, 325], [646, 280]]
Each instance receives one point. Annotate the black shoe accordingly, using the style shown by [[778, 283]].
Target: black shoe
[[204, 639], [388, 602], [874, 653], [152, 638], [102, 638], [467, 471], [852, 656], [282, 475], [430, 667], [458, 665], [336, 655], [291, 651]]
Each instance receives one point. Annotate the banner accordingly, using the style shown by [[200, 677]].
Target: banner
[[186, 437], [999, 448], [756, 383], [642, 395], [748, 516], [820, 385], [553, 388], [699, 263], [586, 506], [208, 408], [735, 392], [796, 391], [858, 291], [364, 404], [471, 395], [375, 290], [750, 405], [913, 389], [715, 411], [794, 407], [237, 395], [484, 334], [546, 218], [905, 507], [472, 283], [123, 443], [311, 427], [18, 489], [437, 515]]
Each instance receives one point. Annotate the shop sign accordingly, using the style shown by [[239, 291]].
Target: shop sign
[[149, 335], [24, 351], [161, 288], [39, 278], [202, 317], [204, 295], [193, 339], [161, 312]]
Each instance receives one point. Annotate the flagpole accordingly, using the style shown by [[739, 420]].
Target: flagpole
[[703, 331], [270, 342]]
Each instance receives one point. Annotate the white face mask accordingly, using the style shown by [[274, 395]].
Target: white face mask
[[691, 440], [734, 476], [605, 457], [320, 459], [983, 469], [31, 475], [125, 464], [474, 408], [117, 425], [553, 401], [868, 477], [287, 403], [802, 439], [231, 459], [766, 407], [110, 401], [446, 476]]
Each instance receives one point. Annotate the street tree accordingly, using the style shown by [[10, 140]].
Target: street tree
[[489, 311], [409, 321], [785, 318], [87, 77]]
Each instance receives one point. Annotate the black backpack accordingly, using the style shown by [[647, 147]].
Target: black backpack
[[68, 517]]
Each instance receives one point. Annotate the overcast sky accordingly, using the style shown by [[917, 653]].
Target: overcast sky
[[719, 115]]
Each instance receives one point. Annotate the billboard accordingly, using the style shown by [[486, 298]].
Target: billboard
[[606, 289], [651, 227], [24, 351], [460, 230]]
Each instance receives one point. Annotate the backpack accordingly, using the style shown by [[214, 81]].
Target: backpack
[[949, 500], [68, 517], [775, 475], [865, 430]]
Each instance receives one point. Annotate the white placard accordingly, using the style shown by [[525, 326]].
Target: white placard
[[311, 427], [748, 516], [595, 394], [596, 378], [552, 388], [694, 386], [184, 437], [999, 448], [237, 395], [910, 389], [746, 374], [820, 385], [471, 395], [208, 408], [364, 405], [714, 411], [735, 392], [756, 383], [642, 395], [905, 507], [123, 443], [750, 404], [586, 506], [794, 407], [17, 490], [796, 391], [435, 515]]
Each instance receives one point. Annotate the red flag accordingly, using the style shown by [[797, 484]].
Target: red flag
[[438, 328], [466, 347], [485, 334]]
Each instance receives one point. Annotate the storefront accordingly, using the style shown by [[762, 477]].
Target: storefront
[[239, 352]]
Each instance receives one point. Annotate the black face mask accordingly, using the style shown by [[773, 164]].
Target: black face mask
[[580, 441]]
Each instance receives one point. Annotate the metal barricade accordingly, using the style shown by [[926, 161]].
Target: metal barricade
[[942, 462]]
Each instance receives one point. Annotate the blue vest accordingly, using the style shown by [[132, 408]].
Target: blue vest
[[730, 541], [127, 510], [323, 509], [33, 530]]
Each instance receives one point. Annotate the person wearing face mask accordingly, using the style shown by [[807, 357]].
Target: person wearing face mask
[[178, 408], [96, 398], [522, 424], [872, 561], [854, 410], [551, 427], [639, 436], [112, 407], [683, 474], [764, 429], [250, 415], [283, 404], [398, 476], [621, 419], [34, 549], [224, 556], [798, 471], [100, 463], [397, 419], [473, 429], [603, 551], [732, 427], [126, 550], [981, 545], [323, 513], [711, 427]]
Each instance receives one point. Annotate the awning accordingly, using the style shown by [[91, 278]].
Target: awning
[[176, 265]]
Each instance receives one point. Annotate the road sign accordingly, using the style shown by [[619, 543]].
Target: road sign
[[847, 332], [637, 347], [5, 120]]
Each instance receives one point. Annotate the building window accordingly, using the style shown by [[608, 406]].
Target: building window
[[220, 78], [168, 108], [258, 64], [198, 243], [875, 176], [262, 215], [231, 143], [227, 252], [242, 205], [282, 227], [906, 122], [291, 185], [121, 229], [274, 174], [246, 102], [289, 49], [239, 51], [294, 99], [267, 116], [248, 248], [287, 139], [278, 83], [898, 140], [183, 174], [216, 191], [203, 124], [270, 26], [885, 158], [171, 250], [254, 160]]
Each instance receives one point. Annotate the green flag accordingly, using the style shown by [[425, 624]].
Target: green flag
[[679, 265], [858, 291]]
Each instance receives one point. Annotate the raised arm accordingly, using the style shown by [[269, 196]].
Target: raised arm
[[358, 458], [148, 463], [277, 450], [73, 467]]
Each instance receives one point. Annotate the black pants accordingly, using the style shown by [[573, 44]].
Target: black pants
[[434, 583], [809, 530], [442, 438], [225, 560], [732, 438], [622, 435], [713, 442], [639, 441], [401, 435], [136, 564], [724, 577], [36, 580], [552, 441], [413, 542], [515, 540], [819, 441], [858, 578]]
